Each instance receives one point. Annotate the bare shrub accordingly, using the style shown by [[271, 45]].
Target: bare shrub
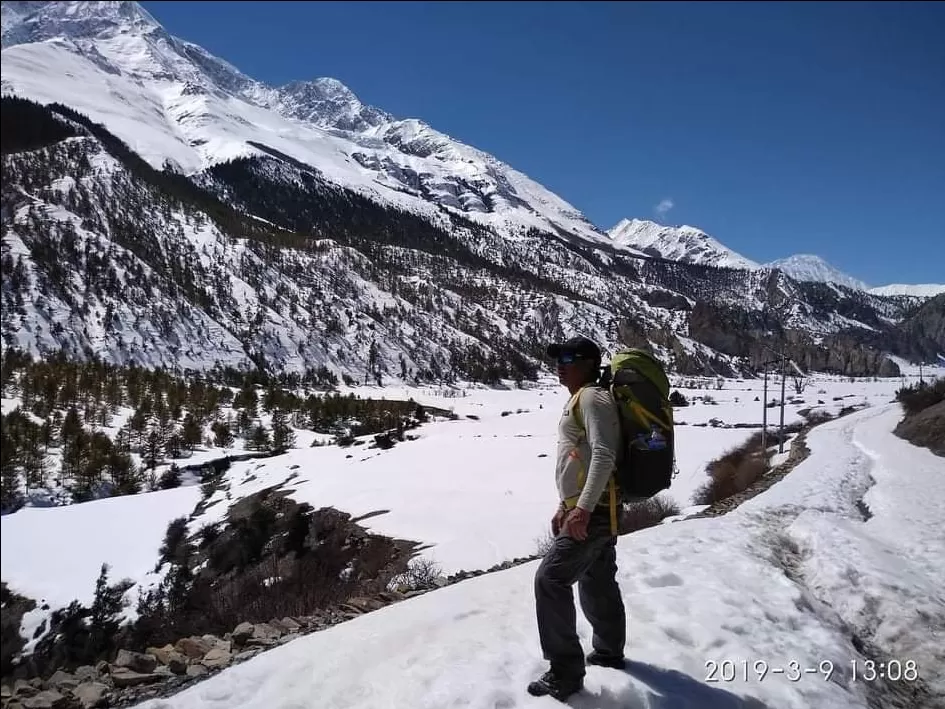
[[649, 513], [544, 543], [818, 416], [734, 471], [921, 396], [800, 384], [420, 574]]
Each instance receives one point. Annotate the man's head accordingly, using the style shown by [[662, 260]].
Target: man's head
[[578, 361]]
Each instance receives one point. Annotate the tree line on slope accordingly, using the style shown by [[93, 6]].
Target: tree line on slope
[[67, 413]]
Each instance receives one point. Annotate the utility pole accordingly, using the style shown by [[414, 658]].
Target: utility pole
[[764, 407], [782, 360], [781, 427], [764, 414]]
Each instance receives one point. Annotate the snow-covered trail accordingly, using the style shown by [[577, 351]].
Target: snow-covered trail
[[795, 575], [863, 532]]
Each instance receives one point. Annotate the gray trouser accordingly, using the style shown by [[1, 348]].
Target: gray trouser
[[592, 564]]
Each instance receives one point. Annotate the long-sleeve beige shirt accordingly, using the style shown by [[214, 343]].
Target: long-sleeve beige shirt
[[587, 455]]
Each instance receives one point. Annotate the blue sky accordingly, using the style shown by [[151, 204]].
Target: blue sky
[[777, 128]]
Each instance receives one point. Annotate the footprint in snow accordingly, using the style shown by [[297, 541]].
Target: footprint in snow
[[680, 636], [664, 580]]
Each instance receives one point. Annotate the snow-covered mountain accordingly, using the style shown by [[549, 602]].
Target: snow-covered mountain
[[176, 104], [812, 268], [679, 243], [309, 230], [924, 290], [689, 244]]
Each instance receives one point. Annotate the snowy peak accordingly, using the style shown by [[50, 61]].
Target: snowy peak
[[25, 22], [327, 102], [680, 243], [922, 290], [812, 268]]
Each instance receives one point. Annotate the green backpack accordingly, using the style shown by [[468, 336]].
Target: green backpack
[[646, 460]]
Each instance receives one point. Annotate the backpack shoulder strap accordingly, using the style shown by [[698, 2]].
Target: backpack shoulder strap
[[574, 404]]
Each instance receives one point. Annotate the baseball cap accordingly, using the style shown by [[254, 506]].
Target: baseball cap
[[578, 347]]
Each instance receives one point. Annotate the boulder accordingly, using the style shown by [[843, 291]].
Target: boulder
[[290, 624], [367, 604], [86, 673], [167, 655], [196, 670], [91, 694], [242, 633], [123, 677], [62, 681], [135, 661], [194, 648], [161, 654], [247, 654], [391, 596], [265, 631], [47, 699], [177, 664], [217, 657], [22, 688]]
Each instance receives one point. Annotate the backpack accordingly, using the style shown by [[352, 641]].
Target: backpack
[[646, 460]]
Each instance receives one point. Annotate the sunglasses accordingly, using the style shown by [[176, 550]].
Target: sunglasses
[[568, 358]]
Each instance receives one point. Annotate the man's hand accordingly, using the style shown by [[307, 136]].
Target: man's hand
[[575, 524], [558, 520]]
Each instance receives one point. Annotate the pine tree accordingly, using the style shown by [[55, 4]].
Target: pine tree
[[174, 445], [153, 446], [105, 613], [244, 422], [283, 437], [71, 426], [123, 473], [138, 424], [259, 439], [170, 478], [248, 401], [192, 433], [222, 435], [10, 497], [75, 455], [33, 456]]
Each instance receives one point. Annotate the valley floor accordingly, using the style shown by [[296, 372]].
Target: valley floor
[[841, 562]]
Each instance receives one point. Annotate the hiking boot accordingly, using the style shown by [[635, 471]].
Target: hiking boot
[[596, 658], [552, 685]]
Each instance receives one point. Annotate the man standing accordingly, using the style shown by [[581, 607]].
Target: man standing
[[585, 528]]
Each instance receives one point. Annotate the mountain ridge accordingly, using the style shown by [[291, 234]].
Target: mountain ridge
[[178, 103], [810, 267], [406, 260], [680, 243], [693, 245]]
